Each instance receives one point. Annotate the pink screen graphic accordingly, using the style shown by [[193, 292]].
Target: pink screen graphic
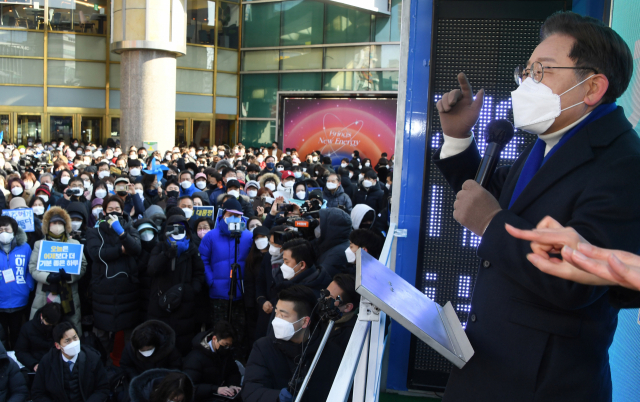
[[337, 127]]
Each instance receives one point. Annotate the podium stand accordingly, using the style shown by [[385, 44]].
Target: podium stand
[[386, 294]]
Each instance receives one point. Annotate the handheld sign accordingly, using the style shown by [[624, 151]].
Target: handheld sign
[[203, 212], [24, 217], [55, 255]]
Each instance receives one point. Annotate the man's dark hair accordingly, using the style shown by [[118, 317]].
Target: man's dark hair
[[60, 329], [270, 156], [301, 250], [101, 164], [147, 335], [302, 297], [147, 180], [369, 239], [171, 387], [189, 172], [224, 330], [347, 283], [171, 181], [76, 179], [185, 197], [326, 160], [226, 170], [9, 221], [596, 47], [371, 174], [51, 313]]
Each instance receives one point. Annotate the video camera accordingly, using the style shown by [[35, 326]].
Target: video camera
[[327, 306]]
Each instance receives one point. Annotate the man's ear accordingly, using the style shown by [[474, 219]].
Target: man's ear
[[303, 265], [349, 307], [598, 85], [306, 322], [58, 346], [365, 249]]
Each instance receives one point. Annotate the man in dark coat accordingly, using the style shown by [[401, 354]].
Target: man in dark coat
[[537, 337], [343, 287], [345, 182], [299, 268], [35, 338], [335, 195], [70, 372], [369, 192], [335, 227], [13, 386], [210, 364]]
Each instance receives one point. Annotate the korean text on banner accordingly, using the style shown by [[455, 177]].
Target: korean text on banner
[[55, 256], [24, 217]]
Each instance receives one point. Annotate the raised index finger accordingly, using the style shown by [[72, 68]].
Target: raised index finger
[[465, 87]]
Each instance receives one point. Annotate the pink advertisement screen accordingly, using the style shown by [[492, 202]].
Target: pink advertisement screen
[[336, 127]]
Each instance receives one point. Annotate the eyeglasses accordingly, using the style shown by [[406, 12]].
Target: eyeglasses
[[536, 72]]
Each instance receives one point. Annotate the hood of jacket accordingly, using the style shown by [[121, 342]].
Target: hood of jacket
[[201, 342], [165, 334], [334, 224], [357, 213], [269, 176], [142, 385], [80, 208], [56, 211], [152, 211]]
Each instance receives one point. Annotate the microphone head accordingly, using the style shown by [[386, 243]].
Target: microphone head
[[499, 131]]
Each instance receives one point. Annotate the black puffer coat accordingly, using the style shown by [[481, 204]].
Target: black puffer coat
[[34, 342], [142, 386], [374, 197], [114, 281], [183, 320], [13, 386], [335, 227], [164, 356], [209, 370], [143, 263]]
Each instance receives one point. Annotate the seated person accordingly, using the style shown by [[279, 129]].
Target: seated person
[[210, 364], [275, 357], [298, 268], [13, 385], [152, 346], [36, 337], [161, 385], [343, 290], [369, 240], [70, 372]]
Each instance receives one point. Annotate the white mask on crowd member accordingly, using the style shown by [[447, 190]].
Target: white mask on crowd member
[[283, 329], [274, 251], [101, 193], [351, 256], [367, 183], [287, 271], [72, 349], [147, 353], [262, 243]]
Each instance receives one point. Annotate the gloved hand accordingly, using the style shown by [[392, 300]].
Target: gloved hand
[[285, 395], [53, 277], [64, 276], [115, 224]]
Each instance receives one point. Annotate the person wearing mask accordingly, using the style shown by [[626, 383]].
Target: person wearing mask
[[162, 385], [270, 167], [201, 182], [70, 372], [227, 174], [364, 217], [16, 282], [127, 193], [300, 191], [275, 357], [210, 364], [114, 245], [269, 181], [175, 260], [335, 195], [73, 193], [332, 238], [233, 189], [345, 182], [135, 170], [251, 188], [370, 193], [252, 273], [298, 267], [13, 386], [62, 181], [186, 183], [152, 191], [217, 252], [57, 286], [103, 170], [17, 189], [326, 163], [383, 169], [36, 337], [185, 203], [152, 346], [96, 210], [202, 226], [343, 290], [366, 239]]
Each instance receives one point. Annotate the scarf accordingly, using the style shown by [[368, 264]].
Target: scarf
[[183, 245]]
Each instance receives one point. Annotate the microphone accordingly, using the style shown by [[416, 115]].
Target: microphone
[[499, 133]]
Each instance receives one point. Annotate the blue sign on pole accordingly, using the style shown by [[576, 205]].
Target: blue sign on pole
[[23, 216], [55, 256]]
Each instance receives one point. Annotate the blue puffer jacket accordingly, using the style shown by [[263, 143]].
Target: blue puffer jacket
[[217, 252], [16, 293]]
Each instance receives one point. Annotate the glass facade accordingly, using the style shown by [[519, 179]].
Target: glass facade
[[59, 79]]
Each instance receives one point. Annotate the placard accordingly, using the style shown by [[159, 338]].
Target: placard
[[23, 216], [56, 255], [150, 146], [203, 212]]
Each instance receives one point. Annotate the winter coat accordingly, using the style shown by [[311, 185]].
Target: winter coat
[[164, 356], [264, 176], [34, 342], [335, 227], [245, 202], [144, 287], [188, 191], [339, 197], [272, 363], [182, 320], [15, 294], [48, 384], [41, 276], [374, 197], [142, 386], [114, 278], [347, 186], [217, 251], [13, 386], [209, 370], [315, 278], [342, 330]]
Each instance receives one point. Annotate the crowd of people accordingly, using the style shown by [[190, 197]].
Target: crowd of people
[[201, 272]]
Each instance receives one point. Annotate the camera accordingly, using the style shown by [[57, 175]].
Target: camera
[[327, 306], [236, 228]]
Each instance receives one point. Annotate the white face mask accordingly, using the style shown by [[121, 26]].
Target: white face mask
[[287, 271], [87, 184], [188, 212], [96, 212], [147, 353], [316, 232], [186, 184], [367, 164], [201, 184], [262, 243], [388, 186], [234, 193], [28, 185], [101, 193], [284, 329], [44, 197], [270, 186], [5, 238], [103, 173], [147, 235], [331, 186], [289, 184], [252, 193], [535, 106], [109, 187], [56, 228], [65, 180], [134, 172], [178, 236], [75, 226], [351, 256], [274, 251], [343, 165], [38, 210], [297, 175], [72, 349], [16, 191], [301, 194], [367, 183]]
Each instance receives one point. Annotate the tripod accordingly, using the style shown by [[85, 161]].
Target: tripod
[[235, 267]]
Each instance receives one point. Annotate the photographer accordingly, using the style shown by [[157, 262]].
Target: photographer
[[343, 290]]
